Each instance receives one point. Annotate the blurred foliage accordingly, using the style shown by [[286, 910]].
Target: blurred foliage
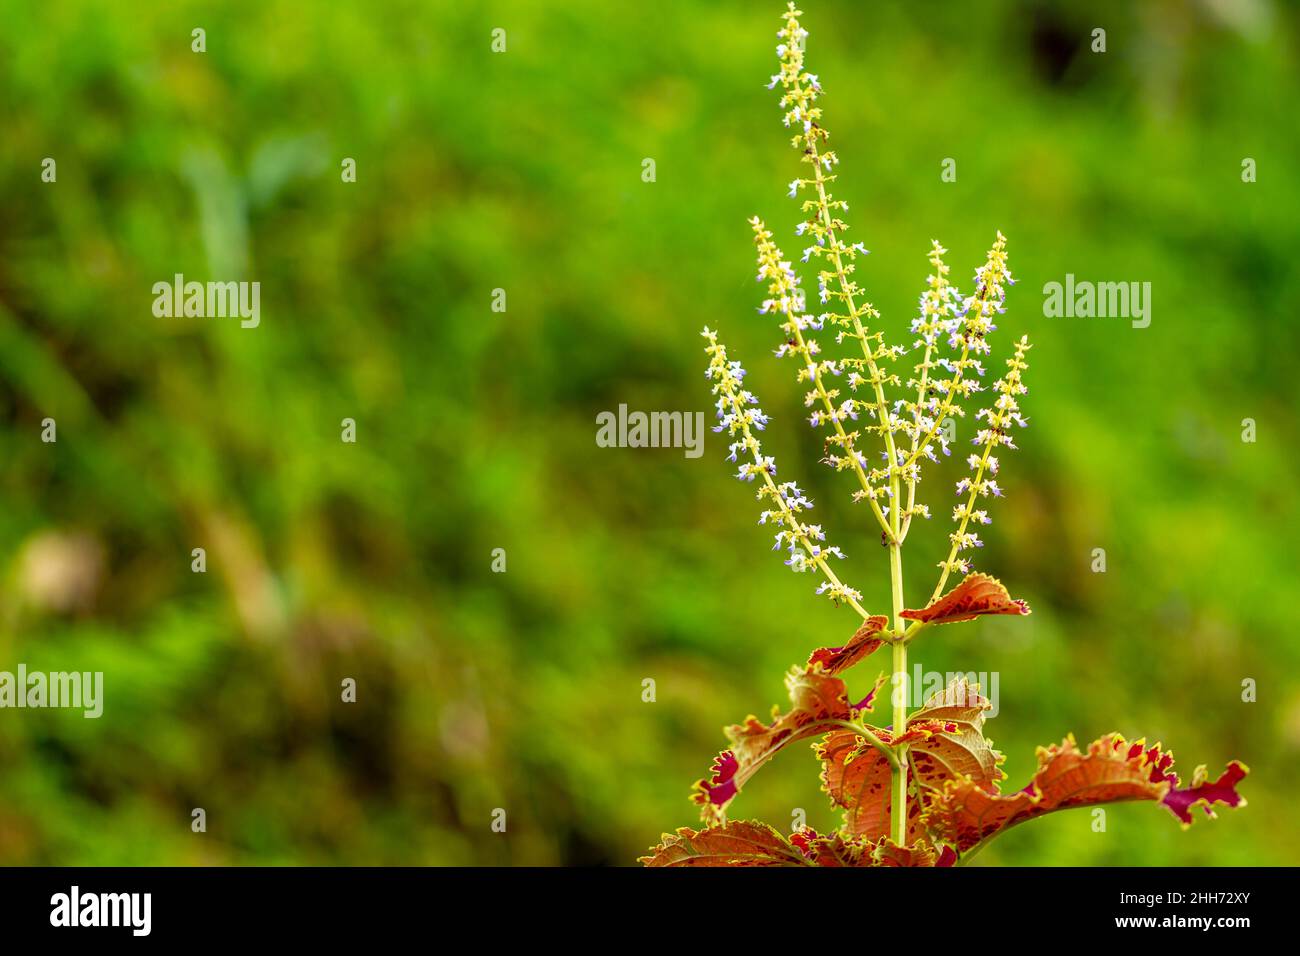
[[521, 171]]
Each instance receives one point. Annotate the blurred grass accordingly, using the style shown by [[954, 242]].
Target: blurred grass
[[521, 171]]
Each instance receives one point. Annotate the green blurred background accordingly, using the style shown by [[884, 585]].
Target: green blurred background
[[522, 170]]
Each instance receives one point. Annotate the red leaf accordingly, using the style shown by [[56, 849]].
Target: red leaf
[[920, 853], [866, 703], [1223, 790], [738, 843], [857, 776], [818, 701], [864, 642], [722, 786], [977, 594], [945, 741], [836, 851], [743, 843], [964, 813], [1180, 800]]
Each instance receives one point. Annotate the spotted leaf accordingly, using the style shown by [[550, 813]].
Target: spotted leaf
[[964, 813], [945, 741]]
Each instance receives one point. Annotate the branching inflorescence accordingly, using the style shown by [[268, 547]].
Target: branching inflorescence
[[924, 790]]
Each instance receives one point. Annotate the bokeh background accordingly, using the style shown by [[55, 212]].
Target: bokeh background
[[522, 170]]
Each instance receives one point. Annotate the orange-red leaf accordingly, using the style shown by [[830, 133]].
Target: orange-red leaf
[[964, 813], [863, 643], [817, 699], [920, 853], [857, 777], [961, 700], [962, 750], [744, 843], [738, 843], [836, 851], [977, 594], [945, 741]]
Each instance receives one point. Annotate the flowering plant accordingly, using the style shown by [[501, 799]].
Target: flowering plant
[[925, 789]]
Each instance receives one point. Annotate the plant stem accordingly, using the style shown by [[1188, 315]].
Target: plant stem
[[898, 682], [801, 535], [920, 398], [797, 528], [971, 501], [862, 731], [839, 427], [846, 291]]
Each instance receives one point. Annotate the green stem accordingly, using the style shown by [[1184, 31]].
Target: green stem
[[801, 534], [846, 444], [971, 501], [898, 683], [863, 732]]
